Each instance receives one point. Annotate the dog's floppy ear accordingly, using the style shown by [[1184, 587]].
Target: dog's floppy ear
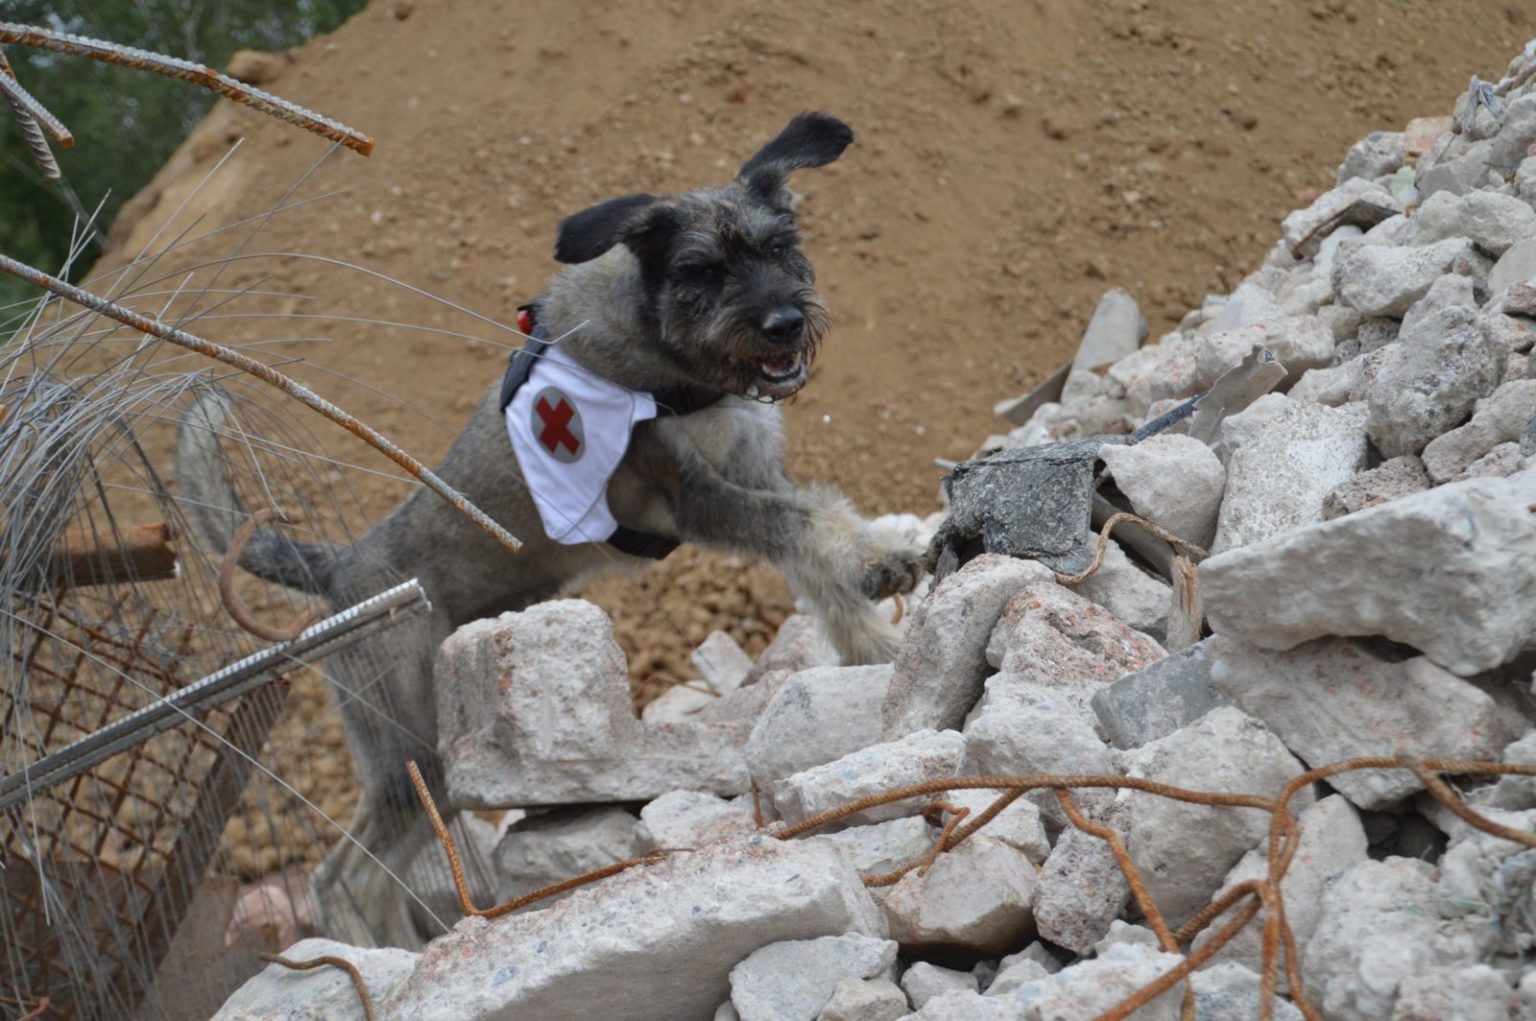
[[585, 235], [810, 140]]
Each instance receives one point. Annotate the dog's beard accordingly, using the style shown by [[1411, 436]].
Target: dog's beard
[[723, 352]]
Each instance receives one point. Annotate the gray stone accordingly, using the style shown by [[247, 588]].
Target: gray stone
[[1183, 850], [1501, 462], [881, 847], [1081, 890], [723, 666], [692, 819], [1162, 371], [1486, 884], [799, 644], [877, 999], [924, 982], [1516, 133], [1301, 228], [1528, 438], [548, 847], [916, 758], [1174, 481], [1343, 321], [1128, 592], [1159, 699], [578, 959], [1300, 342], [1390, 480], [1332, 841], [1375, 155], [1018, 825], [1251, 301], [1377, 332], [1116, 329], [1475, 992], [1374, 933], [1499, 418], [963, 1006], [726, 1012], [1231, 992], [1451, 572], [1516, 332], [1459, 174], [1092, 405], [1022, 971], [1050, 635], [976, 898], [1515, 266], [1089, 988], [534, 709], [794, 979], [1284, 457], [1331, 700], [941, 665], [277, 993], [816, 716], [1332, 386], [1493, 222], [1447, 291], [1385, 281]]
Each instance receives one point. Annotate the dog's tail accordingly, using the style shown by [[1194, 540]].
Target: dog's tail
[[214, 512]]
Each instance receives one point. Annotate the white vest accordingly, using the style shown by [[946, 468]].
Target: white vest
[[569, 429]]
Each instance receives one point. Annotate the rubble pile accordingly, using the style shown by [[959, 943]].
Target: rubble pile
[[1362, 472]]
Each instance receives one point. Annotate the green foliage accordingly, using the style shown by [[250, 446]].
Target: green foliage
[[126, 123]]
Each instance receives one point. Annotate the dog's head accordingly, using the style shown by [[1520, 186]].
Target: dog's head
[[730, 296]]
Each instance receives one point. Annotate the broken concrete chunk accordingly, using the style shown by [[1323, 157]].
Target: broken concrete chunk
[[1493, 221], [1018, 825], [1050, 635], [1332, 841], [1374, 933], [816, 716], [1457, 993], [548, 847], [798, 645], [1498, 418], [723, 666], [941, 665], [1231, 992], [1380, 280], [794, 979], [1128, 592], [973, 899], [1184, 850], [1331, 699], [1501, 462], [534, 709], [1356, 201], [1090, 988], [1022, 727], [1485, 882], [1451, 572], [1375, 155], [1284, 457], [924, 982], [692, 819], [1515, 266], [882, 847], [1081, 890], [321, 994], [1116, 329], [1158, 699], [578, 958], [1173, 481], [1299, 342], [1390, 480], [1332, 386], [918, 757], [877, 999]]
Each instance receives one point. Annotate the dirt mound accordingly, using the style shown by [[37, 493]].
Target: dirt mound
[[1014, 160]]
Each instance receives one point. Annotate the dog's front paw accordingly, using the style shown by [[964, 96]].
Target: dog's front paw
[[891, 572]]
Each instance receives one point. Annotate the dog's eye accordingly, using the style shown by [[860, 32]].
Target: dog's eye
[[778, 249]]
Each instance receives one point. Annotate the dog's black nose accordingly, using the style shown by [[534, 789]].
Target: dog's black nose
[[783, 325]]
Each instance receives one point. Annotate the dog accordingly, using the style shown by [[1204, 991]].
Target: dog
[[702, 301]]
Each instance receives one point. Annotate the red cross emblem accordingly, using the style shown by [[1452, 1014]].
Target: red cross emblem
[[557, 425]]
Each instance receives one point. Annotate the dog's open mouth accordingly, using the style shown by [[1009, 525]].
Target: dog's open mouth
[[780, 375]]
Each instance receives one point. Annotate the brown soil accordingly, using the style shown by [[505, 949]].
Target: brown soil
[[1015, 159]]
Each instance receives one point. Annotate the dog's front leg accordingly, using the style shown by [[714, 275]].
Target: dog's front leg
[[830, 555]]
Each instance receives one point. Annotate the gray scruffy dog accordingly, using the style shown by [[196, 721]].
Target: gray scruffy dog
[[704, 297]]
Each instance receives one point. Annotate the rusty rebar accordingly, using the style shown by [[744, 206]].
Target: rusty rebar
[[331, 960], [268, 375], [187, 71], [1103, 545], [231, 562], [27, 122]]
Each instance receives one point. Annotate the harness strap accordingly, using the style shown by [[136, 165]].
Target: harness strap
[[669, 401]]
